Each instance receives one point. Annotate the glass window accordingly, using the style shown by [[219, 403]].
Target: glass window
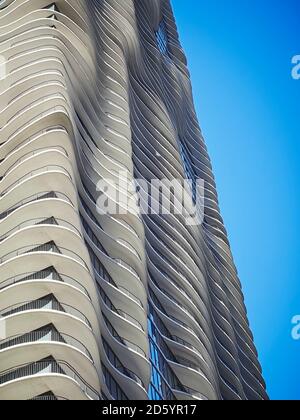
[[162, 38]]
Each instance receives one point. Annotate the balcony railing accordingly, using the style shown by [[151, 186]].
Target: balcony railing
[[43, 248], [40, 221], [123, 290], [44, 169], [42, 336], [44, 275], [116, 363], [58, 108], [36, 197], [34, 153], [46, 305], [50, 367], [48, 398]]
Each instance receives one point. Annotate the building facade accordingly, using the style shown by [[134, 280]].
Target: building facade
[[122, 306]]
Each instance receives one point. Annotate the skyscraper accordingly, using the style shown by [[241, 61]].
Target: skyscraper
[[117, 305]]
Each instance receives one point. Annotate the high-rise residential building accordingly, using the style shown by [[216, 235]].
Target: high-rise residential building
[[125, 305]]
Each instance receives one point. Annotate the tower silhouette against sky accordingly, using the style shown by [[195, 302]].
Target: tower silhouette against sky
[[123, 305]]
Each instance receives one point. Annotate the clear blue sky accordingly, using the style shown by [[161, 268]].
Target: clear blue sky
[[239, 55]]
